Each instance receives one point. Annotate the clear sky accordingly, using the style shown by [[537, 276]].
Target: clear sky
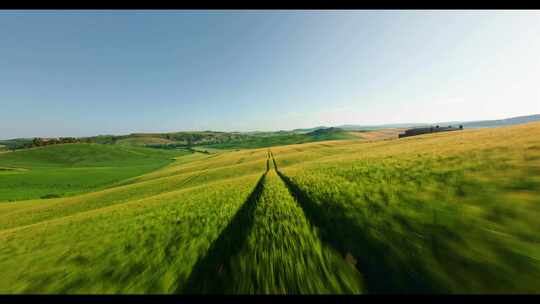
[[114, 72]]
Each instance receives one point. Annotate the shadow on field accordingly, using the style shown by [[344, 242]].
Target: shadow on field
[[212, 273], [274, 160], [383, 272]]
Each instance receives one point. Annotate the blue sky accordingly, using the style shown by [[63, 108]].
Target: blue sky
[[85, 73]]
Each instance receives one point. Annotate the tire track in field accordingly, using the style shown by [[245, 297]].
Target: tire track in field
[[381, 274], [220, 271], [209, 272], [303, 214], [271, 154]]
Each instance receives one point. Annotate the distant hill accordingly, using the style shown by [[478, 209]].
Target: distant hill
[[218, 139], [206, 139], [307, 130], [500, 122], [284, 138], [378, 127], [320, 131], [466, 124], [222, 140], [174, 138], [15, 143], [209, 139]]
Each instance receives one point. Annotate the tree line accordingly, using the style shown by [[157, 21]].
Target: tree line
[[40, 142]]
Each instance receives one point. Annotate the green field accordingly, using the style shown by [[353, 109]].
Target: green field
[[455, 212], [210, 141], [14, 143], [280, 140], [63, 170]]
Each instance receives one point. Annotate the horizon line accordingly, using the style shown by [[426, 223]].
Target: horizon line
[[281, 130]]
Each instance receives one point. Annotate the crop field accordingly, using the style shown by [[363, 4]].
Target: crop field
[[390, 133], [455, 212], [277, 139], [63, 170]]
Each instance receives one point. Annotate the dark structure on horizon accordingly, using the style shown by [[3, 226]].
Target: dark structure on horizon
[[427, 130]]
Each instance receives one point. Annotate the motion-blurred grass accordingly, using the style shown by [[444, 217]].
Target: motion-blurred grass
[[452, 221], [450, 212]]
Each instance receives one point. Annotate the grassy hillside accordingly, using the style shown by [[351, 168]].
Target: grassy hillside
[[63, 170], [209, 140], [454, 212], [143, 141], [383, 134], [201, 140], [15, 143], [174, 138], [283, 139]]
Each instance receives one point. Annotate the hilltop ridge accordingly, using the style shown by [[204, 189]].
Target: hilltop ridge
[[233, 140]]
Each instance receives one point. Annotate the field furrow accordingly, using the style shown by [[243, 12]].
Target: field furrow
[[437, 213], [148, 246], [420, 225], [270, 248]]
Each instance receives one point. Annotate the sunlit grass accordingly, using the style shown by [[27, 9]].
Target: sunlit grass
[[450, 212]]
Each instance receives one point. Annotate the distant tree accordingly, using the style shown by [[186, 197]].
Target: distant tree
[[69, 140], [36, 142]]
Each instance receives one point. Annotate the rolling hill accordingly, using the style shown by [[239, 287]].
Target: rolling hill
[[209, 140], [466, 124], [68, 169], [501, 122], [258, 139], [454, 212], [285, 138]]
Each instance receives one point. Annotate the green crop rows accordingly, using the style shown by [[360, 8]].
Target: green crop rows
[[441, 213]]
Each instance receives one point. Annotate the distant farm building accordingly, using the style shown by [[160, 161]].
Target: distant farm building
[[427, 130]]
